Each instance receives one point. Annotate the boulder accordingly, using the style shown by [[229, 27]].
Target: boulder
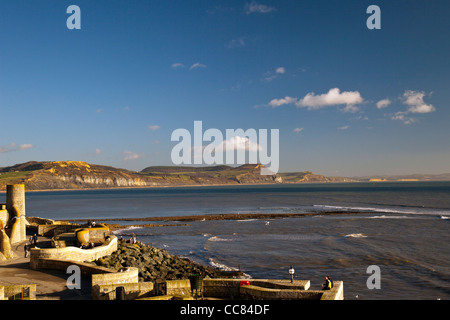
[[153, 263]]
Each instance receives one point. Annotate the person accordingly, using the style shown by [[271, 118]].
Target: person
[[35, 240], [26, 250], [331, 282], [327, 284]]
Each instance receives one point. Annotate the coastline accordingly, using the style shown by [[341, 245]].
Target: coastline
[[225, 185], [153, 187]]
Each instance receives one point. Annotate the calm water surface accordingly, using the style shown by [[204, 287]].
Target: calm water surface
[[404, 230]]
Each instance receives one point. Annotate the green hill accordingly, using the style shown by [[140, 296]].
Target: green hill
[[54, 175]]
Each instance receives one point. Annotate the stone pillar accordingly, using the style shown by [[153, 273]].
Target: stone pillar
[[15, 205]]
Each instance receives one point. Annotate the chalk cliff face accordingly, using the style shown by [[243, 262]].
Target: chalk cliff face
[[74, 175], [81, 175]]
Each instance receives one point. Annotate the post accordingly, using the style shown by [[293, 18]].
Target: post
[[120, 293], [15, 205]]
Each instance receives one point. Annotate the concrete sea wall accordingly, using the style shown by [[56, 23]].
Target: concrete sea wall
[[18, 292], [72, 253]]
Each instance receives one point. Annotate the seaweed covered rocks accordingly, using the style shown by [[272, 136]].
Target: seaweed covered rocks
[[153, 263]]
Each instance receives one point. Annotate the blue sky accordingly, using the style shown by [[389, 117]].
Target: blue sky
[[347, 100]]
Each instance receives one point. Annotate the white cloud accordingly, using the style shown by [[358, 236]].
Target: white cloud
[[197, 65], [360, 117], [98, 151], [331, 98], [154, 127], [235, 143], [350, 108], [334, 97], [383, 103], [416, 105], [269, 76], [236, 43], [131, 156], [403, 117], [414, 100], [343, 128], [25, 146], [279, 102], [13, 147], [254, 7], [241, 143], [297, 130], [177, 65]]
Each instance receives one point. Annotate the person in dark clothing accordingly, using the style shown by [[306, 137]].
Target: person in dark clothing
[[327, 284], [331, 281]]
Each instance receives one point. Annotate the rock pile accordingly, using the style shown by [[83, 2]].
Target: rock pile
[[153, 263]]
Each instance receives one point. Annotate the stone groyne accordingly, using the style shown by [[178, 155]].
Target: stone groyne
[[153, 263], [216, 216]]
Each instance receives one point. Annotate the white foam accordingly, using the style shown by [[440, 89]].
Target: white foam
[[223, 267], [217, 239], [126, 229], [365, 209], [220, 266], [356, 235], [388, 217], [425, 211]]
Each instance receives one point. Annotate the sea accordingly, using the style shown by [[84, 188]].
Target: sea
[[384, 240]]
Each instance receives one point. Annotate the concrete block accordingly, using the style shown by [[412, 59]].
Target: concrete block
[[16, 292], [178, 287]]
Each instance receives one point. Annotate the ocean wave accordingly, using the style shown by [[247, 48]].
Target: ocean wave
[[224, 267], [275, 208], [424, 211], [445, 217], [220, 266], [389, 217], [126, 229], [356, 235], [218, 239], [387, 210]]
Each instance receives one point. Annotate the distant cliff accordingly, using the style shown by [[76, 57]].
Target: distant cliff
[[309, 177], [81, 175], [54, 175]]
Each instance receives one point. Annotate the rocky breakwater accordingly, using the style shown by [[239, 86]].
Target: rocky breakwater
[[153, 263]]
